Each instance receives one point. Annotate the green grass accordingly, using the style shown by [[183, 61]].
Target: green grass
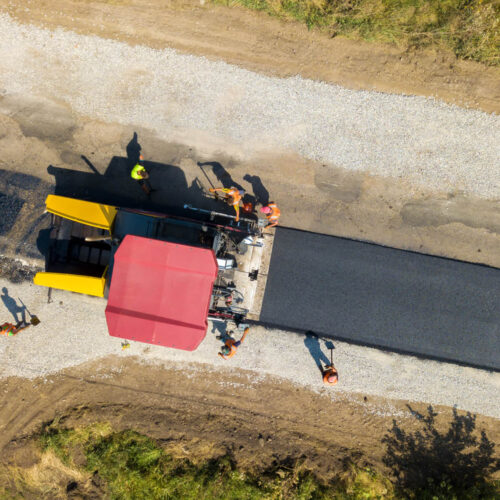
[[470, 28], [134, 466], [130, 465]]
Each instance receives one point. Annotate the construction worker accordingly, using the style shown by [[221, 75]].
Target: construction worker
[[272, 213], [140, 174], [228, 350], [9, 329], [233, 197], [330, 374]]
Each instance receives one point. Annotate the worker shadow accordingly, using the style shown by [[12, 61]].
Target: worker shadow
[[260, 193], [116, 187], [219, 328], [312, 342], [133, 151], [225, 179], [18, 311], [222, 175]]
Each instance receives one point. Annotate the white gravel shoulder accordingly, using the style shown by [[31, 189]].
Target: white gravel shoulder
[[73, 331], [423, 140]]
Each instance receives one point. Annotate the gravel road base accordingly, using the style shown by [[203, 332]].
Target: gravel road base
[[73, 331], [423, 140]]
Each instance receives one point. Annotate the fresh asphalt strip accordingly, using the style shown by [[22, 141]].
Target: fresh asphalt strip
[[382, 297]]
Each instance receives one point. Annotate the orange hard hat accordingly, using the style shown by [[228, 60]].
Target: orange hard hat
[[248, 208], [332, 379]]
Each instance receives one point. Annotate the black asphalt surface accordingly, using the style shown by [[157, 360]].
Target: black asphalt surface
[[383, 297]]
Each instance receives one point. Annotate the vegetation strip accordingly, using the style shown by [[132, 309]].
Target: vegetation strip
[[470, 28], [97, 460]]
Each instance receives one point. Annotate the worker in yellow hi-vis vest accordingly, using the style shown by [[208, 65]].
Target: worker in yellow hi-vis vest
[[140, 174]]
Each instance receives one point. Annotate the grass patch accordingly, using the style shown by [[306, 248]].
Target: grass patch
[[97, 462], [133, 466], [470, 28]]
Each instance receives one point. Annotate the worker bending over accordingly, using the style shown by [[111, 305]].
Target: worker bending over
[[9, 329], [272, 213], [228, 350], [140, 174], [233, 197]]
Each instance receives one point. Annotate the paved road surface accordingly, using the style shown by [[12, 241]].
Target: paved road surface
[[383, 297]]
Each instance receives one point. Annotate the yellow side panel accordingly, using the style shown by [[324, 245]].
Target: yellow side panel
[[85, 212], [72, 282]]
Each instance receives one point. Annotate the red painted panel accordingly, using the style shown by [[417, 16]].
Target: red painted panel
[[160, 292]]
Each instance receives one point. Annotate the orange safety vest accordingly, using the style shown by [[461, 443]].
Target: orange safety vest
[[234, 194], [330, 371], [229, 343], [7, 329], [275, 213]]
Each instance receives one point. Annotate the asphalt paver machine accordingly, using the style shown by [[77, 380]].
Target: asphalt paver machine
[[163, 275]]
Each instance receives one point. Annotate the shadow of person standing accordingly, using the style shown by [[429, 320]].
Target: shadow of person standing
[[260, 192], [312, 343], [11, 304], [133, 152], [223, 176]]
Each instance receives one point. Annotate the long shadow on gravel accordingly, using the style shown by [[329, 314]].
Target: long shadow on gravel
[[116, 187], [24, 227], [225, 179]]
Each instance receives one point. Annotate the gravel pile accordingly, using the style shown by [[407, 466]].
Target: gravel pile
[[73, 330], [425, 141]]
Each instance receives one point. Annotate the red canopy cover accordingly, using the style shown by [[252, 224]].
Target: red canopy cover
[[160, 292]]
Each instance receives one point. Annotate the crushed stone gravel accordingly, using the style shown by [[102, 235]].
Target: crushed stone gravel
[[423, 140], [73, 331]]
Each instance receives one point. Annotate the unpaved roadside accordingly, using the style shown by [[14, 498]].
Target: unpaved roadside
[[43, 143], [73, 331], [194, 409], [257, 42], [201, 414], [43, 139]]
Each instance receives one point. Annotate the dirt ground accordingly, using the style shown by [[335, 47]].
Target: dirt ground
[[48, 148], [38, 133], [199, 413], [260, 43]]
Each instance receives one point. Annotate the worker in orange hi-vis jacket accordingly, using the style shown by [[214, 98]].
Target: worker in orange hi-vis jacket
[[330, 374], [233, 197], [9, 329], [228, 350], [272, 213]]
